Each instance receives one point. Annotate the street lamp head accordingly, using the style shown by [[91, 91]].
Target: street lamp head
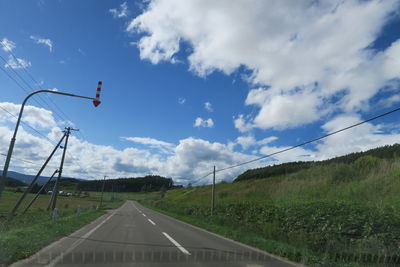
[[97, 101]]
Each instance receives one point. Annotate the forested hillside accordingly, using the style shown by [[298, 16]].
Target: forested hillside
[[385, 152], [140, 184]]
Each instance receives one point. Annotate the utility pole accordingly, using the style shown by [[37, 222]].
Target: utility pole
[[12, 213], [102, 191], [53, 200], [213, 194], [96, 102], [38, 193]]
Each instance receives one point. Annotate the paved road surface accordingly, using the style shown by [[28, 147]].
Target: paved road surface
[[136, 236]]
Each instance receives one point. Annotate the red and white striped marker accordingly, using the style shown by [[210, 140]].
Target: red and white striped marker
[[97, 101]]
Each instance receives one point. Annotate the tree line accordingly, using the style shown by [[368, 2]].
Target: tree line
[[384, 152], [148, 183]]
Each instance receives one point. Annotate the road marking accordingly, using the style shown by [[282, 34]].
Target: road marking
[[144, 214], [79, 241], [176, 244], [153, 223], [136, 208]]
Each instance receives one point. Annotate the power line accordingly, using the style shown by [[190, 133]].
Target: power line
[[51, 141], [305, 143], [24, 160], [22, 79], [65, 118]]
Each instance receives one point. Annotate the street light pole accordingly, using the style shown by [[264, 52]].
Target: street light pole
[[96, 101]]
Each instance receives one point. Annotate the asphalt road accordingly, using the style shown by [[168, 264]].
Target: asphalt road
[[136, 236]]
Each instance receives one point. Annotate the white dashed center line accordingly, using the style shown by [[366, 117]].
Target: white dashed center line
[[153, 223], [176, 244]]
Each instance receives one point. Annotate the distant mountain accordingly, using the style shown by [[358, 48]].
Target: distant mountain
[[28, 178]]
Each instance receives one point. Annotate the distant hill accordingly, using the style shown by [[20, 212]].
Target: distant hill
[[26, 178], [385, 152], [148, 183], [11, 182]]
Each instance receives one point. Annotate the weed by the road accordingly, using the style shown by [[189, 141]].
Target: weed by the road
[[20, 243]]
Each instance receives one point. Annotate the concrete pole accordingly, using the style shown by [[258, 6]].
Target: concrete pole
[[55, 192], [38, 193], [213, 194], [36, 177]]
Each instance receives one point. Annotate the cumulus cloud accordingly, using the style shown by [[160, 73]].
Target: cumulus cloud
[[17, 63], [246, 141], [151, 142], [121, 12], [267, 140], [43, 41], [7, 45], [181, 101], [310, 57], [200, 122], [185, 162], [196, 157], [34, 116], [208, 106]]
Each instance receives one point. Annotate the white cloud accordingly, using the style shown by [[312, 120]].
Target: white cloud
[[121, 12], [303, 53], [7, 45], [208, 107], [246, 141], [34, 116], [361, 138], [17, 63], [43, 41], [151, 142], [181, 101], [196, 157], [241, 125], [200, 122], [267, 140]]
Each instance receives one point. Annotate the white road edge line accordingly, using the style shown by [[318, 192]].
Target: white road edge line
[[176, 244], [77, 242], [153, 223]]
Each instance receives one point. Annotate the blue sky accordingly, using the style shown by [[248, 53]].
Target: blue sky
[[188, 85]]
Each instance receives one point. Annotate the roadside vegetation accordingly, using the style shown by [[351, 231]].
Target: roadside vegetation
[[23, 235], [340, 212]]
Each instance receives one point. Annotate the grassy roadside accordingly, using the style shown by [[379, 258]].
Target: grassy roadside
[[24, 235], [303, 256], [21, 243]]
